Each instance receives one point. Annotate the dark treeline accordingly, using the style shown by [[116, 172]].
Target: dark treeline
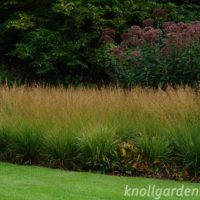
[[57, 41]]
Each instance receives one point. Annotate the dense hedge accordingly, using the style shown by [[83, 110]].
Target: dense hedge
[[57, 41]]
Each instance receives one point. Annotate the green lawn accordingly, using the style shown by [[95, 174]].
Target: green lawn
[[37, 183]]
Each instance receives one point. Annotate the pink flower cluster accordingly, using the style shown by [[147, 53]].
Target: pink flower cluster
[[138, 36], [135, 38], [108, 35], [135, 54], [181, 34], [178, 35]]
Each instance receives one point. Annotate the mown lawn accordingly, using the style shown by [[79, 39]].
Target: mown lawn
[[37, 183]]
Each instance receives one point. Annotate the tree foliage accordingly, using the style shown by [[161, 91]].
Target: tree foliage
[[58, 40]]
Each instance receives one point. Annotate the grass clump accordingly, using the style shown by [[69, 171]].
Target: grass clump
[[59, 147], [186, 142], [98, 146]]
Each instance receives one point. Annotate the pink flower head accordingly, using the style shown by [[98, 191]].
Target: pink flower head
[[135, 54], [148, 28], [135, 41], [135, 30], [182, 25], [165, 51], [109, 31], [167, 24], [105, 39], [152, 35], [172, 28], [108, 35]]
